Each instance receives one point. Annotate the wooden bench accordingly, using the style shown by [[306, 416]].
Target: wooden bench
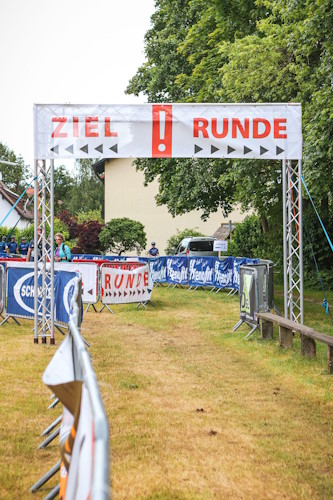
[[286, 329]]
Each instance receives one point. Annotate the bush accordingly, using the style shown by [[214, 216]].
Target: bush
[[123, 235]]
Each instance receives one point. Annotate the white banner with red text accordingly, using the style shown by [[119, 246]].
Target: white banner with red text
[[264, 131], [120, 286]]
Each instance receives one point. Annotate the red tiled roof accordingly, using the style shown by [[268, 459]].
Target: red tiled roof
[[11, 197]]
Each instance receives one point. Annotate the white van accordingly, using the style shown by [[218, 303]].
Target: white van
[[196, 247]]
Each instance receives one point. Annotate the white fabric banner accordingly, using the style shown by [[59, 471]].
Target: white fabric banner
[[121, 287], [79, 480], [89, 274], [265, 131]]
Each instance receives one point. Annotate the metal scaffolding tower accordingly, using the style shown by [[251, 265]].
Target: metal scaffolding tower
[[293, 240], [43, 252]]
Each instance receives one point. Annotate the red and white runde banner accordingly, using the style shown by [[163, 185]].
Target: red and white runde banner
[[120, 286], [264, 131]]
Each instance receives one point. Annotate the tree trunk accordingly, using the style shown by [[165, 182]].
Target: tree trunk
[[264, 224]]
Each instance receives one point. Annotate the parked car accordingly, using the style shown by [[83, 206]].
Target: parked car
[[196, 247]]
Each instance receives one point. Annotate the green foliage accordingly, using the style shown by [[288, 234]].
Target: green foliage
[[123, 235], [91, 215], [244, 51], [79, 192], [14, 176], [87, 193], [174, 240], [63, 185], [4, 231], [248, 238]]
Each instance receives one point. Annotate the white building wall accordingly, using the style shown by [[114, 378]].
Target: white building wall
[[126, 196], [13, 217]]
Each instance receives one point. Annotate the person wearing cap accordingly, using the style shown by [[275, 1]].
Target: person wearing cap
[[11, 246], [153, 251], [3, 244], [23, 246]]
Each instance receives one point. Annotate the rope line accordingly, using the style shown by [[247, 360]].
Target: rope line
[[16, 202], [322, 225]]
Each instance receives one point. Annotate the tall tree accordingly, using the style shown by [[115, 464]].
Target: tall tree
[[63, 186], [14, 176], [87, 192], [244, 51]]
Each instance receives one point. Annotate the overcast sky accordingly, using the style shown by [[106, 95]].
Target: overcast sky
[[68, 51]]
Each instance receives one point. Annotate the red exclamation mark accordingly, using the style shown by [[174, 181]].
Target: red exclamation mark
[[162, 131]]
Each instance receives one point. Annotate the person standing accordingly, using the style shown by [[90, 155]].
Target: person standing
[[31, 249], [153, 251], [62, 252], [3, 244], [23, 247], [11, 246]]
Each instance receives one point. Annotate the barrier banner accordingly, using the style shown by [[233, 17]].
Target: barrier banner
[[223, 273], [2, 288], [240, 261], [264, 131], [158, 269], [63, 376], [247, 295], [79, 479], [64, 282], [89, 273], [21, 291], [121, 286], [177, 270], [201, 271]]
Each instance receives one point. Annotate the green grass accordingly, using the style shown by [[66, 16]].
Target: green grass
[[195, 410]]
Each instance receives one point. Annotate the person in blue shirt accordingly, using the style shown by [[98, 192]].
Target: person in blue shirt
[[153, 251], [3, 244], [23, 246], [11, 246], [62, 252]]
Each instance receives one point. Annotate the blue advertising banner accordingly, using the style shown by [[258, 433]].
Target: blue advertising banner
[[21, 291], [158, 269], [177, 270], [241, 261], [193, 271], [201, 271], [223, 273], [63, 293]]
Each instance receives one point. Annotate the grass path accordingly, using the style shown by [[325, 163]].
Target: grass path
[[195, 411]]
